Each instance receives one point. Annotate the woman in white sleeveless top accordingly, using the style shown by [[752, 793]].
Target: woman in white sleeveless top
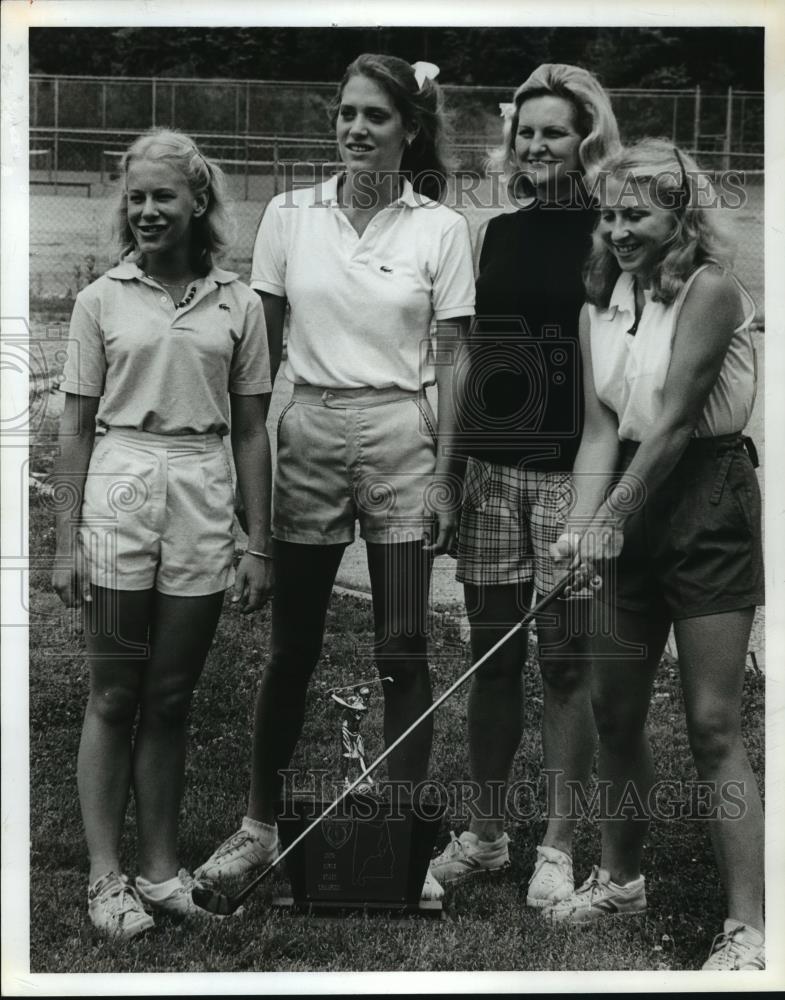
[[668, 499]]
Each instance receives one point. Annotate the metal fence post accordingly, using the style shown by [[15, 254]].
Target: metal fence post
[[154, 100], [696, 121], [728, 127], [56, 155]]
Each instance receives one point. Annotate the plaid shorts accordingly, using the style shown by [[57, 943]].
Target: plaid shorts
[[509, 519]]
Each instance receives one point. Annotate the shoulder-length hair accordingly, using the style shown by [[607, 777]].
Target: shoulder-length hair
[[425, 161], [674, 182], [594, 118], [212, 231]]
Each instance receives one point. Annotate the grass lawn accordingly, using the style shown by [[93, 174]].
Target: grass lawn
[[488, 925]]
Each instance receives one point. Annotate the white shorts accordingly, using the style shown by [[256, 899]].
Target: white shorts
[[157, 513]]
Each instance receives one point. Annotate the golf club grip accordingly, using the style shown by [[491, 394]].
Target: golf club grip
[[541, 605]]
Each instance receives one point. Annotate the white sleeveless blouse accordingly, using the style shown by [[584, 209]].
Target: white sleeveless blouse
[[630, 370]]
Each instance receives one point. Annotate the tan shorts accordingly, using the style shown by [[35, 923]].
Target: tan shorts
[[347, 455], [157, 513]]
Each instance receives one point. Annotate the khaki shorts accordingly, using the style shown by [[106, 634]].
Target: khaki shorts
[[347, 455], [157, 513]]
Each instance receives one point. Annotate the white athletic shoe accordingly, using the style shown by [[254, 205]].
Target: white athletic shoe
[[242, 854], [178, 902], [115, 908], [467, 856], [599, 897], [737, 948], [552, 879]]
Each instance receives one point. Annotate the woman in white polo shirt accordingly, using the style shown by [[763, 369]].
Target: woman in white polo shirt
[[366, 262]]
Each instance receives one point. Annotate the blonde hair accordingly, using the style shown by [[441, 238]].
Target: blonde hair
[[699, 234], [594, 117], [212, 231]]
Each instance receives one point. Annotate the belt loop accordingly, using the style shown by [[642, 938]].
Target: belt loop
[[752, 451]]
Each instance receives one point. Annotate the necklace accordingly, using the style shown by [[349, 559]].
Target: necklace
[[180, 284]]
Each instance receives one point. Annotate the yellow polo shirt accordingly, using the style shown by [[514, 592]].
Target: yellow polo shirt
[[161, 369]]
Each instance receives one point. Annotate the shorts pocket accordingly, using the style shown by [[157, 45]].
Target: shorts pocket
[[742, 484], [283, 413], [427, 415], [477, 485]]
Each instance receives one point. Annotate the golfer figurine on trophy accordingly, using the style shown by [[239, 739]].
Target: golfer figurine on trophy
[[355, 701]]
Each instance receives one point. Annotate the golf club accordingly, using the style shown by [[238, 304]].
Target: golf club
[[222, 905]]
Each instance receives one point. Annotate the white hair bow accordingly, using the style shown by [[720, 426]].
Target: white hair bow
[[424, 71]]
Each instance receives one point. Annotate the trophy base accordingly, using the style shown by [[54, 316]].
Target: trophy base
[[369, 855], [431, 908]]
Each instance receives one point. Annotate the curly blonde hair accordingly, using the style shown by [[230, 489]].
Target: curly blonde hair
[[594, 118], [211, 232], [699, 233]]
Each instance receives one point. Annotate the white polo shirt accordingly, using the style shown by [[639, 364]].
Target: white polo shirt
[[161, 369], [361, 307]]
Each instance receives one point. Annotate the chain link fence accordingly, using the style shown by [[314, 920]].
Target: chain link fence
[[271, 136]]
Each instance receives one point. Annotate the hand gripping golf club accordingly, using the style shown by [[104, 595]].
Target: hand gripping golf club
[[222, 905]]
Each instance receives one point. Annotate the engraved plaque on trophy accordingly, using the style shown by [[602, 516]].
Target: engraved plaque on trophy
[[372, 851]]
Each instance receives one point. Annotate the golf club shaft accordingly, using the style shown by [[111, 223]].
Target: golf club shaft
[[557, 591]]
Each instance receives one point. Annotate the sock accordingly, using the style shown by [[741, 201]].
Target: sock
[[553, 853], [158, 890], [751, 934], [476, 841], [267, 834]]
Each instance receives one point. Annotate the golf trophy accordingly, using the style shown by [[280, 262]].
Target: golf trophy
[[369, 853], [355, 702]]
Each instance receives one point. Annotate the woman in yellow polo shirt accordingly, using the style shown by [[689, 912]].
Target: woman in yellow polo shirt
[[159, 347]]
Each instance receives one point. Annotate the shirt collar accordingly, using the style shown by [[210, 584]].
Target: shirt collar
[[128, 270], [329, 193]]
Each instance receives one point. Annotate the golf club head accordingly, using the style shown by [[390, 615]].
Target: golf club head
[[212, 901]]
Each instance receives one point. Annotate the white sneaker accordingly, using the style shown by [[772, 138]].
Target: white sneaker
[[178, 902], [552, 879], [244, 853], [599, 897], [431, 890], [467, 855], [115, 908], [738, 948]]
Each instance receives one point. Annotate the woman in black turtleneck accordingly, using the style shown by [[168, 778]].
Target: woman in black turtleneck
[[520, 425]]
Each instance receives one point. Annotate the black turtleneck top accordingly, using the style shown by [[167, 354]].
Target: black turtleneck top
[[522, 384]]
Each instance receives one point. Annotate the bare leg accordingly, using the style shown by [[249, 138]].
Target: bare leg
[[569, 736], [495, 698], [304, 577], [182, 632], [712, 653], [621, 691], [400, 579], [116, 634]]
